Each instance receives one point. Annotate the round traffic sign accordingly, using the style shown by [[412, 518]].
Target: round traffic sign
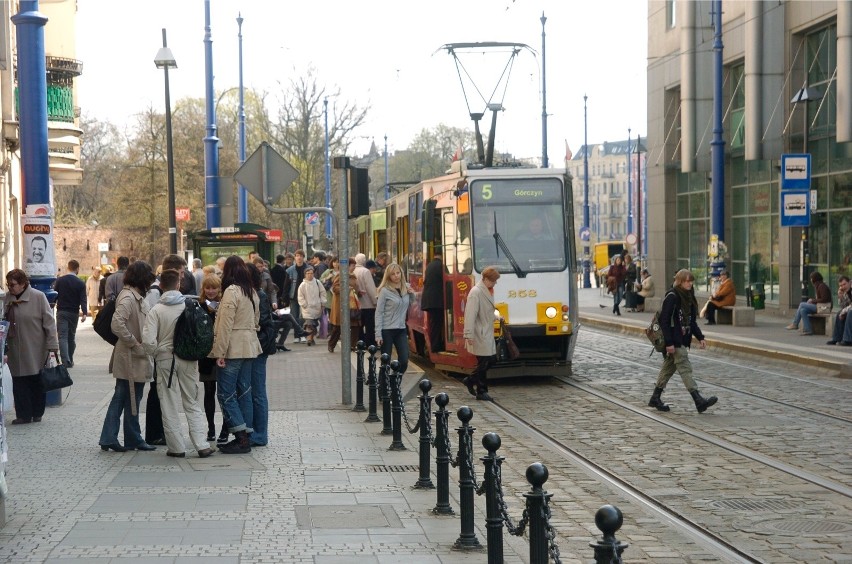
[[585, 233], [311, 218], [630, 239]]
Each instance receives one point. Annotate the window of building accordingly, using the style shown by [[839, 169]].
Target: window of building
[[671, 13], [736, 127]]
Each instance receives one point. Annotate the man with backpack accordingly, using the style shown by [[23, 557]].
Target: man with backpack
[[177, 377], [677, 321]]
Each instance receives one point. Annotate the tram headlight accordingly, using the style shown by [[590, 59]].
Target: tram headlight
[[550, 312], [564, 317]]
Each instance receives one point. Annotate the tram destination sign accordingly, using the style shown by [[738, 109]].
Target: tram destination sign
[[516, 191]]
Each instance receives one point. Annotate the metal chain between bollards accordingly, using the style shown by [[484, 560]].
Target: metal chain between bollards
[[467, 447], [549, 532], [398, 386], [516, 530], [454, 462]]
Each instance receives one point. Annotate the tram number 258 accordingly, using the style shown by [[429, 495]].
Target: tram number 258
[[522, 293]]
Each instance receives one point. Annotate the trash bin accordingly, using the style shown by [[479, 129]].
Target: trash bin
[[758, 297], [53, 398]]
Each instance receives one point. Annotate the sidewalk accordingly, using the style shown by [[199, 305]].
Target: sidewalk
[[326, 490], [767, 338]]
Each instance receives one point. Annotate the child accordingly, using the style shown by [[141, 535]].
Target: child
[[177, 378], [312, 300]]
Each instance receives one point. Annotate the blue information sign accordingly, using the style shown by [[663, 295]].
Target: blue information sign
[[795, 208], [796, 172], [585, 233]]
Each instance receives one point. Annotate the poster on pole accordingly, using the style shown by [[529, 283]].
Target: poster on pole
[[38, 256]]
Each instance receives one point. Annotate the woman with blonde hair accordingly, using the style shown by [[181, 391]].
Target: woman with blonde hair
[[678, 322], [394, 297], [211, 295]]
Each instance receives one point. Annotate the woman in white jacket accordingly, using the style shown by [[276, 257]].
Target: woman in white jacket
[[312, 300], [391, 308], [479, 331]]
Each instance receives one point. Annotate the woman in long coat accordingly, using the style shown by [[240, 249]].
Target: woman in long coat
[[479, 331], [32, 337], [129, 362], [336, 313]]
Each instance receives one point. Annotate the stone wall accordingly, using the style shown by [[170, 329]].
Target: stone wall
[[81, 244]]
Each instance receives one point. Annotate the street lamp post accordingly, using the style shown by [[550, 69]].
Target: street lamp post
[[587, 281], [629, 185], [327, 171], [242, 193], [165, 60]]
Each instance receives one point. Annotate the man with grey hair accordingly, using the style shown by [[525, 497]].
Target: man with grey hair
[[197, 273]]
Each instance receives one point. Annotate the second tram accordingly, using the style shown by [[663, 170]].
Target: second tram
[[519, 220]]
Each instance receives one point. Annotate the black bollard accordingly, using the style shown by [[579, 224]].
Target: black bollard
[[371, 383], [493, 517], [425, 480], [539, 513], [442, 455], [384, 395], [359, 377], [395, 379], [467, 486], [608, 550]]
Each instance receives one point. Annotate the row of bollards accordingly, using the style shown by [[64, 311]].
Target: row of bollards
[[385, 385]]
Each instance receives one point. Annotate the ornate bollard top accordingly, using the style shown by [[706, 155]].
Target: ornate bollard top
[[394, 364], [385, 358], [442, 400], [425, 385], [465, 414], [360, 345], [608, 520], [537, 474], [491, 442], [371, 349]]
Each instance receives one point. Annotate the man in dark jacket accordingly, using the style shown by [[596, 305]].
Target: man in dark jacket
[[70, 307], [678, 323], [279, 276], [432, 302]]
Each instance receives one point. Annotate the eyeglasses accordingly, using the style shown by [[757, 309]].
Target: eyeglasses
[[11, 283]]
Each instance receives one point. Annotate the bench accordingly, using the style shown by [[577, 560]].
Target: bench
[[822, 323], [738, 316], [653, 304]]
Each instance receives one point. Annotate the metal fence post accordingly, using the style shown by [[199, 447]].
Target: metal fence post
[[385, 395], [467, 484], [537, 498], [425, 422], [493, 518], [442, 455], [359, 377], [372, 417], [608, 520], [395, 378]]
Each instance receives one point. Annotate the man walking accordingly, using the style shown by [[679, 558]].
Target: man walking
[[115, 282], [295, 276], [70, 306], [367, 299]]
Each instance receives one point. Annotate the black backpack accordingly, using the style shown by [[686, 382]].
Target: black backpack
[[103, 323], [193, 339], [654, 331]]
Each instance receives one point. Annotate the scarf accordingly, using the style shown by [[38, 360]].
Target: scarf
[[687, 301]]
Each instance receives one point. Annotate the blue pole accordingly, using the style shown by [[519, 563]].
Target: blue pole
[[717, 146], [544, 162], [629, 185], [327, 171], [587, 281], [387, 176], [32, 96], [242, 193], [211, 142]]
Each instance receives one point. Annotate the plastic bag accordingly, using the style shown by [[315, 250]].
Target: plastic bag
[[7, 389]]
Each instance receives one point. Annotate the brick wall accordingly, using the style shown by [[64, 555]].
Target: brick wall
[[81, 244]]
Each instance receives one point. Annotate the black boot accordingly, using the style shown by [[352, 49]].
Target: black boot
[[702, 404], [657, 401], [240, 445]]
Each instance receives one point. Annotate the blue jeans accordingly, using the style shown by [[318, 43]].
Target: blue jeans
[[842, 329], [617, 296], [802, 313], [66, 329], [119, 404], [396, 338], [233, 383], [260, 403]]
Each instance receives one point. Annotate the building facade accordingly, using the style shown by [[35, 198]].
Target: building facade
[[786, 89], [616, 182]]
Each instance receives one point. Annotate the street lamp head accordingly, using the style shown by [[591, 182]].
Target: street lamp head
[[165, 59]]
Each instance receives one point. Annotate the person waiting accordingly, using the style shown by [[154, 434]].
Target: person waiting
[[823, 296], [842, 334], [646, 290], [726, 295]]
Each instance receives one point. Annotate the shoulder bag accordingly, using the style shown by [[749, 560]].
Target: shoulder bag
[[53, 377]]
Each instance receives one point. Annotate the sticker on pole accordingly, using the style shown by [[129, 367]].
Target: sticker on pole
[[311, 218]]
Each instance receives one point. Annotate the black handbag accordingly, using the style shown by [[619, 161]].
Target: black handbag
[[54, 378]]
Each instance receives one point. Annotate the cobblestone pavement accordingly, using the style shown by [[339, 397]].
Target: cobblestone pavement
[[315, 495]]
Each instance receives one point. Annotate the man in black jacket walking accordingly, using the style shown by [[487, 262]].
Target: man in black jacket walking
[[71, 307], [432, 302]]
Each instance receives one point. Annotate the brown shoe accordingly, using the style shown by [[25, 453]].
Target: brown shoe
[[205, 452]]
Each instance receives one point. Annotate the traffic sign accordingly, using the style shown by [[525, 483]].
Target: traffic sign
[[182, 214], [796, 172], [266, 174], [795, 208], [630, 239], [311, 218], [585, 233]]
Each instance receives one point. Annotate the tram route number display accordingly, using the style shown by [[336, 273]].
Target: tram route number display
[[546, 190]]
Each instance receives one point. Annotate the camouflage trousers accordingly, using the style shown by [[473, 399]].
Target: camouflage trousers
[[677, 362]]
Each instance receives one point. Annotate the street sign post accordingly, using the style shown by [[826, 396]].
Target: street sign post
[[266, 174]]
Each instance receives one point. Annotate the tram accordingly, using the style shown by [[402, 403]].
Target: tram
[[516, 219]]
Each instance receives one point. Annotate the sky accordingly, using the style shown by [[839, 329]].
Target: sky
[[388, 55]]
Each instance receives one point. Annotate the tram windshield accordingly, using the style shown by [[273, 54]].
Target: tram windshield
[[528, 217]]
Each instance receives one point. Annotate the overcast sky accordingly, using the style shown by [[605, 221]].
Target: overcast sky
[[386, 54]]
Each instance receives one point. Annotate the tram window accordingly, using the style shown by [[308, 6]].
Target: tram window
[[448, 240]]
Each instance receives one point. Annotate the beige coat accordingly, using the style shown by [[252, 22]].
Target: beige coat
[[479, 321], [647, 290], [33, 334], [129, 360], [236, 326]]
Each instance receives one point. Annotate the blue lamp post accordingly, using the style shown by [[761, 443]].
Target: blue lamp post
[[387, 177], [327, 171], [587, 281], [242, 194], [211, 142]]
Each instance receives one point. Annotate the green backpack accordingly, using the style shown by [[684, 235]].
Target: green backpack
[[193, 338], [654, 331]]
